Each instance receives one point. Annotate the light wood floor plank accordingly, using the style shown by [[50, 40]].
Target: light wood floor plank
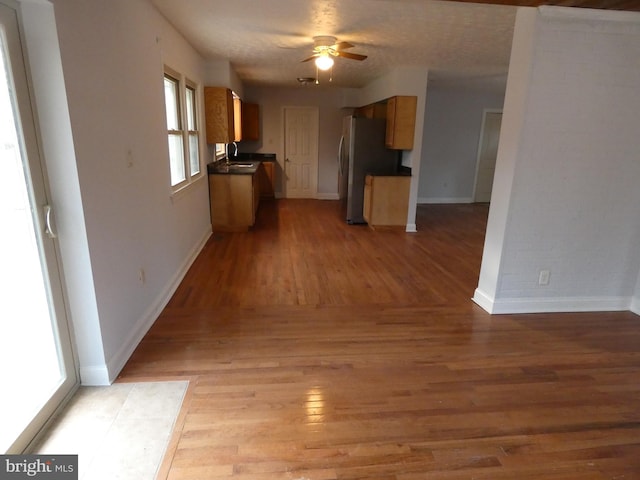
[[323, 351]]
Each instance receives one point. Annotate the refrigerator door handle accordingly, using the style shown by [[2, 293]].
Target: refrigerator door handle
[[340, 155]]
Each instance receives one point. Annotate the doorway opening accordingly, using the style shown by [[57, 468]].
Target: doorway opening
[[487, 154]]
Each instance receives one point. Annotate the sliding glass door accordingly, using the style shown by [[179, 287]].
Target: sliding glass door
[[35, 349]]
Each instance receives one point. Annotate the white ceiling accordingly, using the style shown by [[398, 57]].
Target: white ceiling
[[265, 41]]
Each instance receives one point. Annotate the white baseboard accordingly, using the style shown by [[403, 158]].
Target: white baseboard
[[635, 305], [95, 376], [436, 200], [327, 196], [551, 305], [148, 318], [483, 300], [411, 228]]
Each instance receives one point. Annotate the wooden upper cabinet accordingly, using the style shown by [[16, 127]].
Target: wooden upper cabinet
[[373, 110], [237, 120], [401, 122], [250, 121], [223, 115], [219, 114]]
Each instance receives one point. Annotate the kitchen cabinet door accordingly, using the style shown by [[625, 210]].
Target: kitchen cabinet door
[[233, 200], [250, 121], [237, 120], [368, 187], [373, 110], [401, 122], [219, 114], [386, 200]]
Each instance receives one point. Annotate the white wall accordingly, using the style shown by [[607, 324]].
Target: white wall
[[330, 103], [220, 73], [112, 56], [453, 121], [566, 191]]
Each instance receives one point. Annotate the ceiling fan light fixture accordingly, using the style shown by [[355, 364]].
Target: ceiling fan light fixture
[[324, 61]]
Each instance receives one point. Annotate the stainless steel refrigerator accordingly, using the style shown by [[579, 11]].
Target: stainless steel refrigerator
[[361, 152]]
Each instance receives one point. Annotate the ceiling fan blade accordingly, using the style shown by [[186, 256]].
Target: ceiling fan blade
[[310, 58], [342, 46], [351, 56]]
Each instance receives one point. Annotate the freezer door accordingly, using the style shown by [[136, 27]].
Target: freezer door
[[343, 165]]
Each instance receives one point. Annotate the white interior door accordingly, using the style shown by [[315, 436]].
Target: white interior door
[[487, 153], [301, 152], [38, 371]]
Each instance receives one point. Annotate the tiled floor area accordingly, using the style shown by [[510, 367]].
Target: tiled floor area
[[119, 432]]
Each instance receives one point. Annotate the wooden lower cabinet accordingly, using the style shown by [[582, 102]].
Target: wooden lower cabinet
[[386, 200], [233, 200], [265, 179]]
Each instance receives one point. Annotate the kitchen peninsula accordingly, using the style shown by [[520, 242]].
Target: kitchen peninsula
[[235, 188]]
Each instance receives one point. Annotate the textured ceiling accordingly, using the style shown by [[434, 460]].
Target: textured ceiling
[[265, 41]]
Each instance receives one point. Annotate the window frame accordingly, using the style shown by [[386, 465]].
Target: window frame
[[186, 133], [194, 132], [220, 151]]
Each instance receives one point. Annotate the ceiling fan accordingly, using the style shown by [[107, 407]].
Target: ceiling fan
[[326, 47]]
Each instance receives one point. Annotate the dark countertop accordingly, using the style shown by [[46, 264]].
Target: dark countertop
[[395, 174], [401, 172], [233, 168], [263, 157]]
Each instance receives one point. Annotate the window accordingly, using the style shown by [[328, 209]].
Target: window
[[182, 129], [192, 131], [221, 150]]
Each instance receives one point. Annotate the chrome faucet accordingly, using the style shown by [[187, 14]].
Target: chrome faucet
[[235, 153]]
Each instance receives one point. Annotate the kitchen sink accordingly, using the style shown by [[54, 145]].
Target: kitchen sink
[[241, 165]]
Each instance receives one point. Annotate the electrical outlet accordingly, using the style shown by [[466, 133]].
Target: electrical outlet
[[543, 278], [142, 276]]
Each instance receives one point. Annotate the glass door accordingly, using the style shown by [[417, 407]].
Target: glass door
[[36, 360]]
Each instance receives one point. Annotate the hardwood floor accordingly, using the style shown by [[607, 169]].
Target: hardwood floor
[[319, 351]]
